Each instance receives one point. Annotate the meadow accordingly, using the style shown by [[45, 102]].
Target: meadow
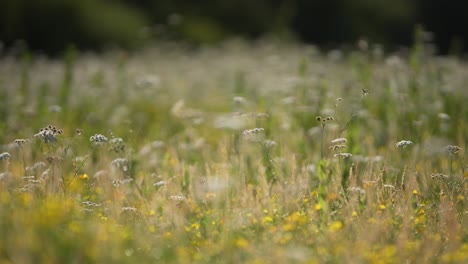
[[240, 153]]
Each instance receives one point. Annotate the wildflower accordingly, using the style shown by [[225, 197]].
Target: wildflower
[[338, 147], [48, 134], [443, 116], [255, 134], [129, 209], [335, 226], [35, 181], [365, 92], [160, 183], [358, 190], [343, 155], [98, 139], [452, 150], [20, 142], [55, 109], [439, 176], [177, 198], [90, 204], [404, 143], [5, 156], [323, 120], [239, 100], [317, 207], [5, 175], [339, 141], [242, 243], [116, 183], [126, 181], [256, 130], [117, 145], [311, 168], [269, 143], [84, 176]]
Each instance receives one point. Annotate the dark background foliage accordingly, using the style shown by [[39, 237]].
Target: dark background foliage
[[52, 25]]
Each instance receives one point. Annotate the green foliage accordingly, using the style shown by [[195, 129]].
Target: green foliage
[[88, 24]]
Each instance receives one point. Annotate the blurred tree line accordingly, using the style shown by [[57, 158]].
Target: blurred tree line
[[51, 25]]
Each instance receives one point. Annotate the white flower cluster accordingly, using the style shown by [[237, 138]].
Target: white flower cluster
[[48, 134], [129, 209], [255, 134], [98, 139], [338, 144], [269, 143], [439, 176], [404, 143], [117, 145], [343, 155], [256, 130], [452, 150], [120, 163], [178, 198], [5, 156]]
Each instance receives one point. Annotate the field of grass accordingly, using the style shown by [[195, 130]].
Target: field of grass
[[265, 153]]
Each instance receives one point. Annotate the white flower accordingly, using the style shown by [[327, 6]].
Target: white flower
[[129, 209], [343, 155], [49, 134], [404, 143], [177, 198], [5, 156], [98, 138], [452, 150], [339, 141]]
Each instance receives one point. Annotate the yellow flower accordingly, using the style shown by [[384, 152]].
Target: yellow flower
[[167, 235], [267, 219], [335, 226], [242, 243], [288, 227], [84, 176], [317, 207]]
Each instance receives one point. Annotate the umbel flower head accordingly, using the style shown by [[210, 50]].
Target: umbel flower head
[[256, 134], [5, 156], [98, 139], [49, 134], [452, 150], [324, 120], [404, 143]]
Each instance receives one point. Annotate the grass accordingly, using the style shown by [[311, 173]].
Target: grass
[[225, 155]]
